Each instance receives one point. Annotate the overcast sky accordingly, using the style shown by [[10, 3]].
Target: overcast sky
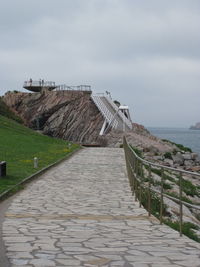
[[145, 52]]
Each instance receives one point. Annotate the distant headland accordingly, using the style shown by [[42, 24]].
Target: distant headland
[[195, 127]]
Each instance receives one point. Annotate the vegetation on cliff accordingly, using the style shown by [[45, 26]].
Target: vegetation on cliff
[[5, 111]]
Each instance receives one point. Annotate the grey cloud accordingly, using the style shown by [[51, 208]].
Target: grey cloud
[[145, 52]]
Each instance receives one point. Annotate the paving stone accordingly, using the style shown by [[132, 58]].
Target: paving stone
[[19, 262], [45, 256], [42, 263], [67, 262]]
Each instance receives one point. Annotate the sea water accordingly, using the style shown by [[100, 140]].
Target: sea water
[[186, 137]]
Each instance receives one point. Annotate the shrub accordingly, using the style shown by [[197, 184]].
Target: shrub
[[184, 148], [168, 155], [180, 146], [137, 151]]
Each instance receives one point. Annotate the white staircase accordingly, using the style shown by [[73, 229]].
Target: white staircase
[[113, 115]]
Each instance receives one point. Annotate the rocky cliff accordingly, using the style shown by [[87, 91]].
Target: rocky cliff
[[70, 115], [196, 126]]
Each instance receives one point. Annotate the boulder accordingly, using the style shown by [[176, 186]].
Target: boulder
[[178, 158], [194, 156], [188, 163], [197, 160], [187, 156], [195, 169], [153, 150], [174, 209], [168, 162]]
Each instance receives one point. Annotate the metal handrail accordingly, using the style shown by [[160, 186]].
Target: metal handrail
[[104, 111], [74, 87], [135, 166]]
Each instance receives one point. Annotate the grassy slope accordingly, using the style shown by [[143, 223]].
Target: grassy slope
[[19, 145]]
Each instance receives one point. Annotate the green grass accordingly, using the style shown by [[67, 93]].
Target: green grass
[[190, 189], [19, 145], [155, 203], [137, 151], [180, 146], [183, 198], [187, 229], [165, 176]]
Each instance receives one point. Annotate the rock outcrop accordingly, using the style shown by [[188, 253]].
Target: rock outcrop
[[196, 126], [69, 115]]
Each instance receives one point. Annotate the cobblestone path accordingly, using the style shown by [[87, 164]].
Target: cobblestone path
[[82, 213]]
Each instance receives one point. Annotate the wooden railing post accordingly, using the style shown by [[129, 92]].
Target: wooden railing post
[[181, 204], [161, 196], [136, 179], [149, 192], [141, 179]]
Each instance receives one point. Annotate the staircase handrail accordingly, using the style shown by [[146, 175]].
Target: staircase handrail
[[104, 111]]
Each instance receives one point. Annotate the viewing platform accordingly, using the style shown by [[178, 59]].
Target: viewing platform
[[36, 86]]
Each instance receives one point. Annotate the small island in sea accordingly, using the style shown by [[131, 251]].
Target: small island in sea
[[195, 127]]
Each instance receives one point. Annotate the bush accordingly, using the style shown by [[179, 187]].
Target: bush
[[137, 151], [168, 155], [180, 146], [184, 148]]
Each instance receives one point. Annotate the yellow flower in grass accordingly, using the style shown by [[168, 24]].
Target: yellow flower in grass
[[26, 160], [66, 150]]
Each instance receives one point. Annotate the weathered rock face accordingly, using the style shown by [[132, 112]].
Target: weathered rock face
[[141, 139], [70, 115], [196, 126]]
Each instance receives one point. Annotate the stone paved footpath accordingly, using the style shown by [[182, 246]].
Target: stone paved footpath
[[82, 213]]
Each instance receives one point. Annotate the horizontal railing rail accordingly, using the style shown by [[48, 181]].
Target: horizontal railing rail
[[104, 111], [140, 182], [74, 87], [38, 83]]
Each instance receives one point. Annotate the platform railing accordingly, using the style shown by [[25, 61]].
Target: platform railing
[[73, 88], [142, 183], [39, 83]]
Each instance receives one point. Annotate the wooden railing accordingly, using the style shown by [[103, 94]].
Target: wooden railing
[[142, 183]]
